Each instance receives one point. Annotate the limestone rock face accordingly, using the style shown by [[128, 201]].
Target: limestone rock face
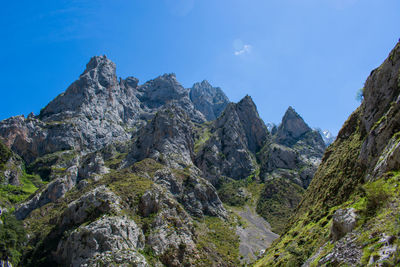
[[31, 138], [10, 167], [166, 89], [293, 129], [94, 203], [236, 136], [211, 101], [294, 152], [196, 194], [381, 115], [108, 235], [168, 138], [177, 241], [94, 111]]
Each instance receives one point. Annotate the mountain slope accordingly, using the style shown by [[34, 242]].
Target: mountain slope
[[349, 214], [123, 173], [287, 164]]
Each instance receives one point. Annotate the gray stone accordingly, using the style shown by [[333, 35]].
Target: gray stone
[[211, 101], [343, 222], [236, 136], [91, 205], [111, 235]]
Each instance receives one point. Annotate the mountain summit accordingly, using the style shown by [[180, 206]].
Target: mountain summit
[[115, 172], [211, 101]]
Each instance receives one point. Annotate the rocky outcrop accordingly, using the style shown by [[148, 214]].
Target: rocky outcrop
[[168, 138], [31, 138], [101, 241], [236, 136], [345, 252], [10, 167], [97, 110], [91, 205], [53, 191], [196, 194], [211, 101], [343, 222], [381, 115], [293, 130], [165, 89], [294, 152], [171, 231]]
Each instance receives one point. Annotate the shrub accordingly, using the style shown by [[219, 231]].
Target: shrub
[[376, 197], [12, 238]]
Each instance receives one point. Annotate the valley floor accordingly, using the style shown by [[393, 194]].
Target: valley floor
[[254, 232]]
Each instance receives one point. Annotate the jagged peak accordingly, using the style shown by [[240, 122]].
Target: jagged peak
[[165, 79], [99, 62], [201, 85], [291, 115], [131, 81], [291, 128], [291, 112], [247, 101], [167, 76]]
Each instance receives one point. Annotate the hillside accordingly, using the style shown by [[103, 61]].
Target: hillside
[[349, 215]]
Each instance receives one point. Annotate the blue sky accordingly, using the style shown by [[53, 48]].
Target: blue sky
[[311, 54]]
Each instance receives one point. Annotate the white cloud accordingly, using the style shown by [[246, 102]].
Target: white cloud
[[245, 49]]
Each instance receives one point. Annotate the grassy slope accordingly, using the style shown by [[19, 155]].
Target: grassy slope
[[339, 183], [338, 176]]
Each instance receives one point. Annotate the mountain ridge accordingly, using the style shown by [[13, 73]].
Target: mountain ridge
[[162, 160]]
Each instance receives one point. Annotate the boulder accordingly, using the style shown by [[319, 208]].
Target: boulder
[[343, 222]]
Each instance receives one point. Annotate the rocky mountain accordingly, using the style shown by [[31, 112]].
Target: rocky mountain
[[210, 101], [116, 173], [235, 137], [287, 165], [349, 215]]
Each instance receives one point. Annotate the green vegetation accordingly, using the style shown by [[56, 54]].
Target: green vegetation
[[12, 238], [378, 205], [338, 176], [278, 201], [217, 239], [115, 161], [13, 194], [240, 192], [51, 164], [233, 193], [203, 133], [5, 155], [129, 186]]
